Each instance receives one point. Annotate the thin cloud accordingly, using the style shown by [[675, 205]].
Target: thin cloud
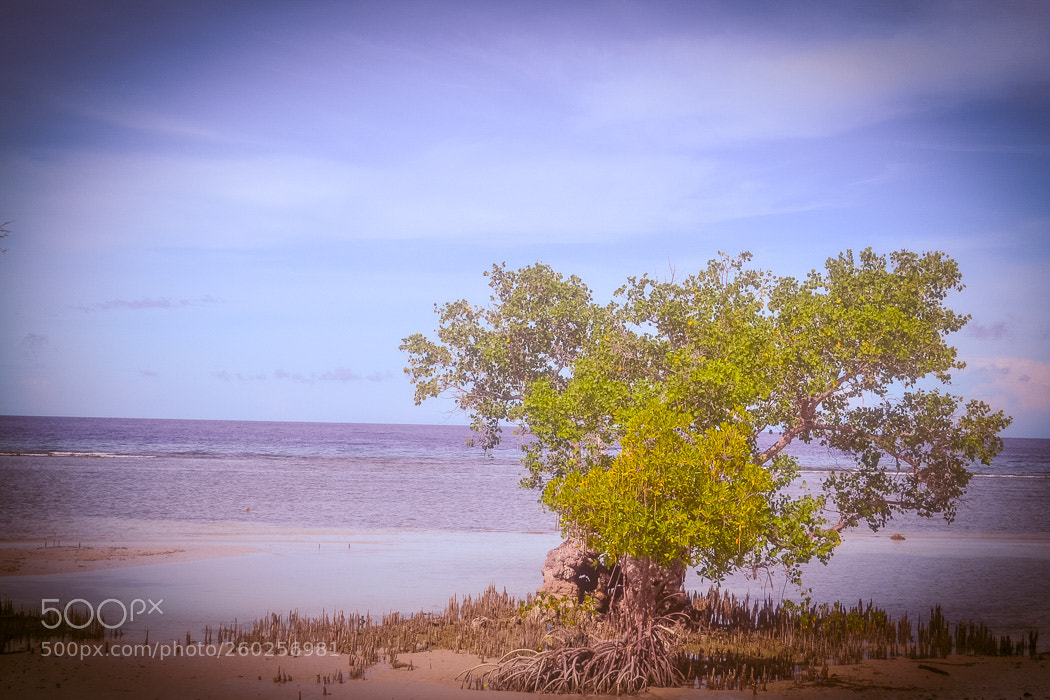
[[338, 374], [145, 303], [34, 343], [543, 195], [995, 331], [225, 376], [379, 376], [741, 87], [152, 122], [297, 377]]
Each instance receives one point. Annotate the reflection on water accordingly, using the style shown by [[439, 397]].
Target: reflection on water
[[1000, 582], [377, 573]]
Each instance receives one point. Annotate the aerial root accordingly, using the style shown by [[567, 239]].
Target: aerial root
[[626, 665]]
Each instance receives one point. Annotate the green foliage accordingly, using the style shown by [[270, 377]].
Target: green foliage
[[559, 611], [489, 356], [643, 413], [677, 495]]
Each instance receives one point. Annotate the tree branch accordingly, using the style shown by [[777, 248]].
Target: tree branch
[[877, 440], [806, 412], [786, 439]]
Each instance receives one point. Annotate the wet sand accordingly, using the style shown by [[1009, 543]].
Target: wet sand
[[29, 560]]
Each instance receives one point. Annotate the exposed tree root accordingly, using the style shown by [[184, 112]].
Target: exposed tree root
[[641, 659]]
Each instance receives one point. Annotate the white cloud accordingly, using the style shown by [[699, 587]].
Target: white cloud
[[1023, 384], [457, 191], [736, 87], [591, 148]]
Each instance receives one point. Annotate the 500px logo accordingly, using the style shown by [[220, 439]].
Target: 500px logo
[[73, 619]]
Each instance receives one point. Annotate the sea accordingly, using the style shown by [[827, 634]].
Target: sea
[[383, 518]]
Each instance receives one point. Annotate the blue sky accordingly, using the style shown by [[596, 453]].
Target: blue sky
[[237, 210]]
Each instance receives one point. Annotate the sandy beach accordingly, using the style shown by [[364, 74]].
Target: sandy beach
[[432, 675], [130, 669]]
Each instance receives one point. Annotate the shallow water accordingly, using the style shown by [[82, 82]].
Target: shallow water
[[418, 571], [379, 573], [428, 517]]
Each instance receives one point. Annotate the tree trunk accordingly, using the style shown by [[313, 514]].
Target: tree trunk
[[649, 591], [633, 586]]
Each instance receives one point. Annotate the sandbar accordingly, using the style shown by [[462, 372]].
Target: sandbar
[[62, 559]]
